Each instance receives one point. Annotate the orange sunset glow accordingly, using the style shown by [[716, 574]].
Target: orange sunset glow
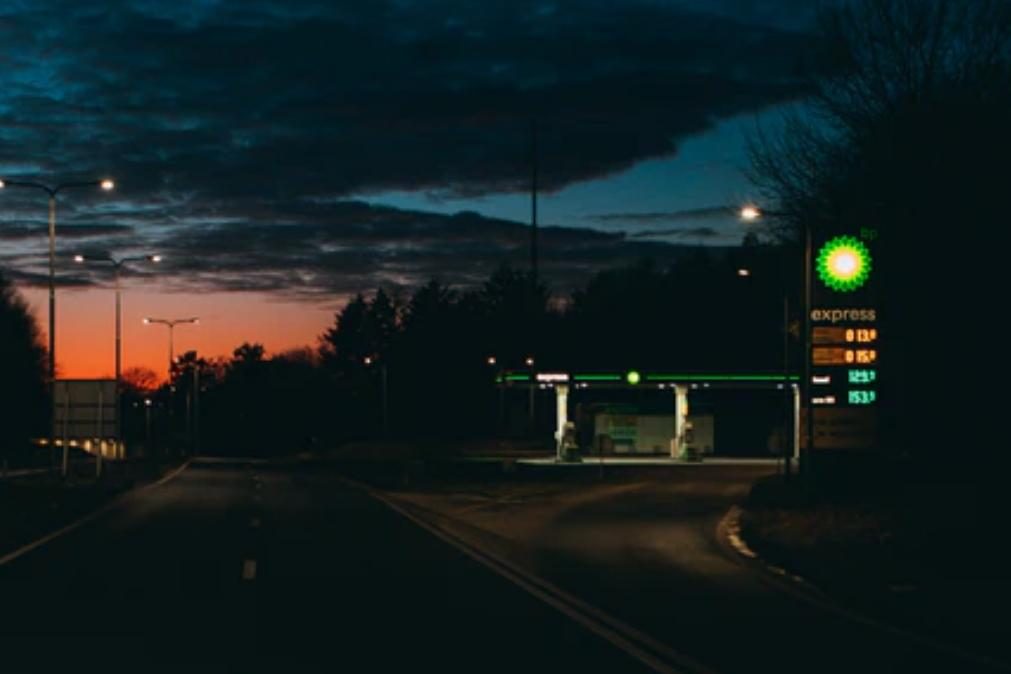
[[85, 326]]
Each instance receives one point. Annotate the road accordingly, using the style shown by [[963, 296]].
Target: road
[[646, 551], [246, 567], [652, 557]]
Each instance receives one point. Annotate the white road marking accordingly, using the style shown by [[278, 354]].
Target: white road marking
[[249, 569], [657, 656], [11, 556]]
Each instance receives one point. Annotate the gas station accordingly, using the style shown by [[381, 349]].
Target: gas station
[[661, 424], [839, 386]]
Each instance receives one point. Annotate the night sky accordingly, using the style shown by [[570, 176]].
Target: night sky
[[283, 155]]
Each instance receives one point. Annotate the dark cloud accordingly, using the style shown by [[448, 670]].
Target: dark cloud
[[237, 130], [719, 212], [35, 231], [365, 246], [680, 232]]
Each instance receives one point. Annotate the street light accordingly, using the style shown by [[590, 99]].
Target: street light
[[744, 272], [369, 361], [751, 213], [171, 323], [106, 185], [117, 266]]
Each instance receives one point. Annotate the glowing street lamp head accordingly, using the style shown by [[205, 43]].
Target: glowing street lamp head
[[2, 184], [844, 263], [78, 258], [107, 185], [154, 258], [633, 377], [750, 213]]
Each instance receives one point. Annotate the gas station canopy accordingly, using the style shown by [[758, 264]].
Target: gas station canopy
[[635, 379]]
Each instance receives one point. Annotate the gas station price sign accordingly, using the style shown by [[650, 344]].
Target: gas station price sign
[[845, 341]]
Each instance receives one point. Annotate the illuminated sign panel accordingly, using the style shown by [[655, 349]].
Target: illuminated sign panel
[[846, 340]]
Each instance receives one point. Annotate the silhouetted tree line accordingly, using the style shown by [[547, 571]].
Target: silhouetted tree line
[[429, 349], [23, 401]]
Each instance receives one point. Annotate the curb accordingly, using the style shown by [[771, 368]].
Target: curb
[[728, 534]]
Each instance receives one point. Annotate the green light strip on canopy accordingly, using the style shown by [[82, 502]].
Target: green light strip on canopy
[[721, 377], [517, 377], [596, 377]]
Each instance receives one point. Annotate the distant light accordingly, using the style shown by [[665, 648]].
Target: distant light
[[633, 378], [750, 213], [367, 360], [529, 361], [492, 360], [2, 184], [155, 258], [147, 321], [743, 272], [107, 185], [78, 258], [147, 402]]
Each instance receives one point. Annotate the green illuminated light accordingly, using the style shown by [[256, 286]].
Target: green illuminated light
[[633, 378], [720, 377], [863, 376], [862, 397], [517, 377], [596, 377], [844, 263]]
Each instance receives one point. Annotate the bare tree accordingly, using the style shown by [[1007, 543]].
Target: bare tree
[[908, 132]]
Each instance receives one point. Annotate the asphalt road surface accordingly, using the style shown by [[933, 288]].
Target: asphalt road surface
[[244, 567], [248, 567], [651, 557]]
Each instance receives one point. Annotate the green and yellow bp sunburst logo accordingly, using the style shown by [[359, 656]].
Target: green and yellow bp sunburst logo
[[844, 263]]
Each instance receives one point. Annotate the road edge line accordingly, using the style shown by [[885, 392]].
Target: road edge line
[[728, 533], [648, 651], [53, 535]]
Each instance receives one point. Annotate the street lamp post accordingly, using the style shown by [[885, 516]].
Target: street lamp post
[[529, 362], [191, 396], [384, 410], [117, 266], [171, 323], [751, 213], [52, 190]]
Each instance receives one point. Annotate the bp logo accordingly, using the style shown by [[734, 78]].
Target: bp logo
[[844, 263]]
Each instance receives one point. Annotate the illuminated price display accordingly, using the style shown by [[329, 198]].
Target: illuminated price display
[[862, 397], [862, 376], [834, 335], [861, 356], [843, 356], [861, 335]]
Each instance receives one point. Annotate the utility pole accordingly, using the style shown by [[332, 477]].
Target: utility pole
[[533, 202]]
